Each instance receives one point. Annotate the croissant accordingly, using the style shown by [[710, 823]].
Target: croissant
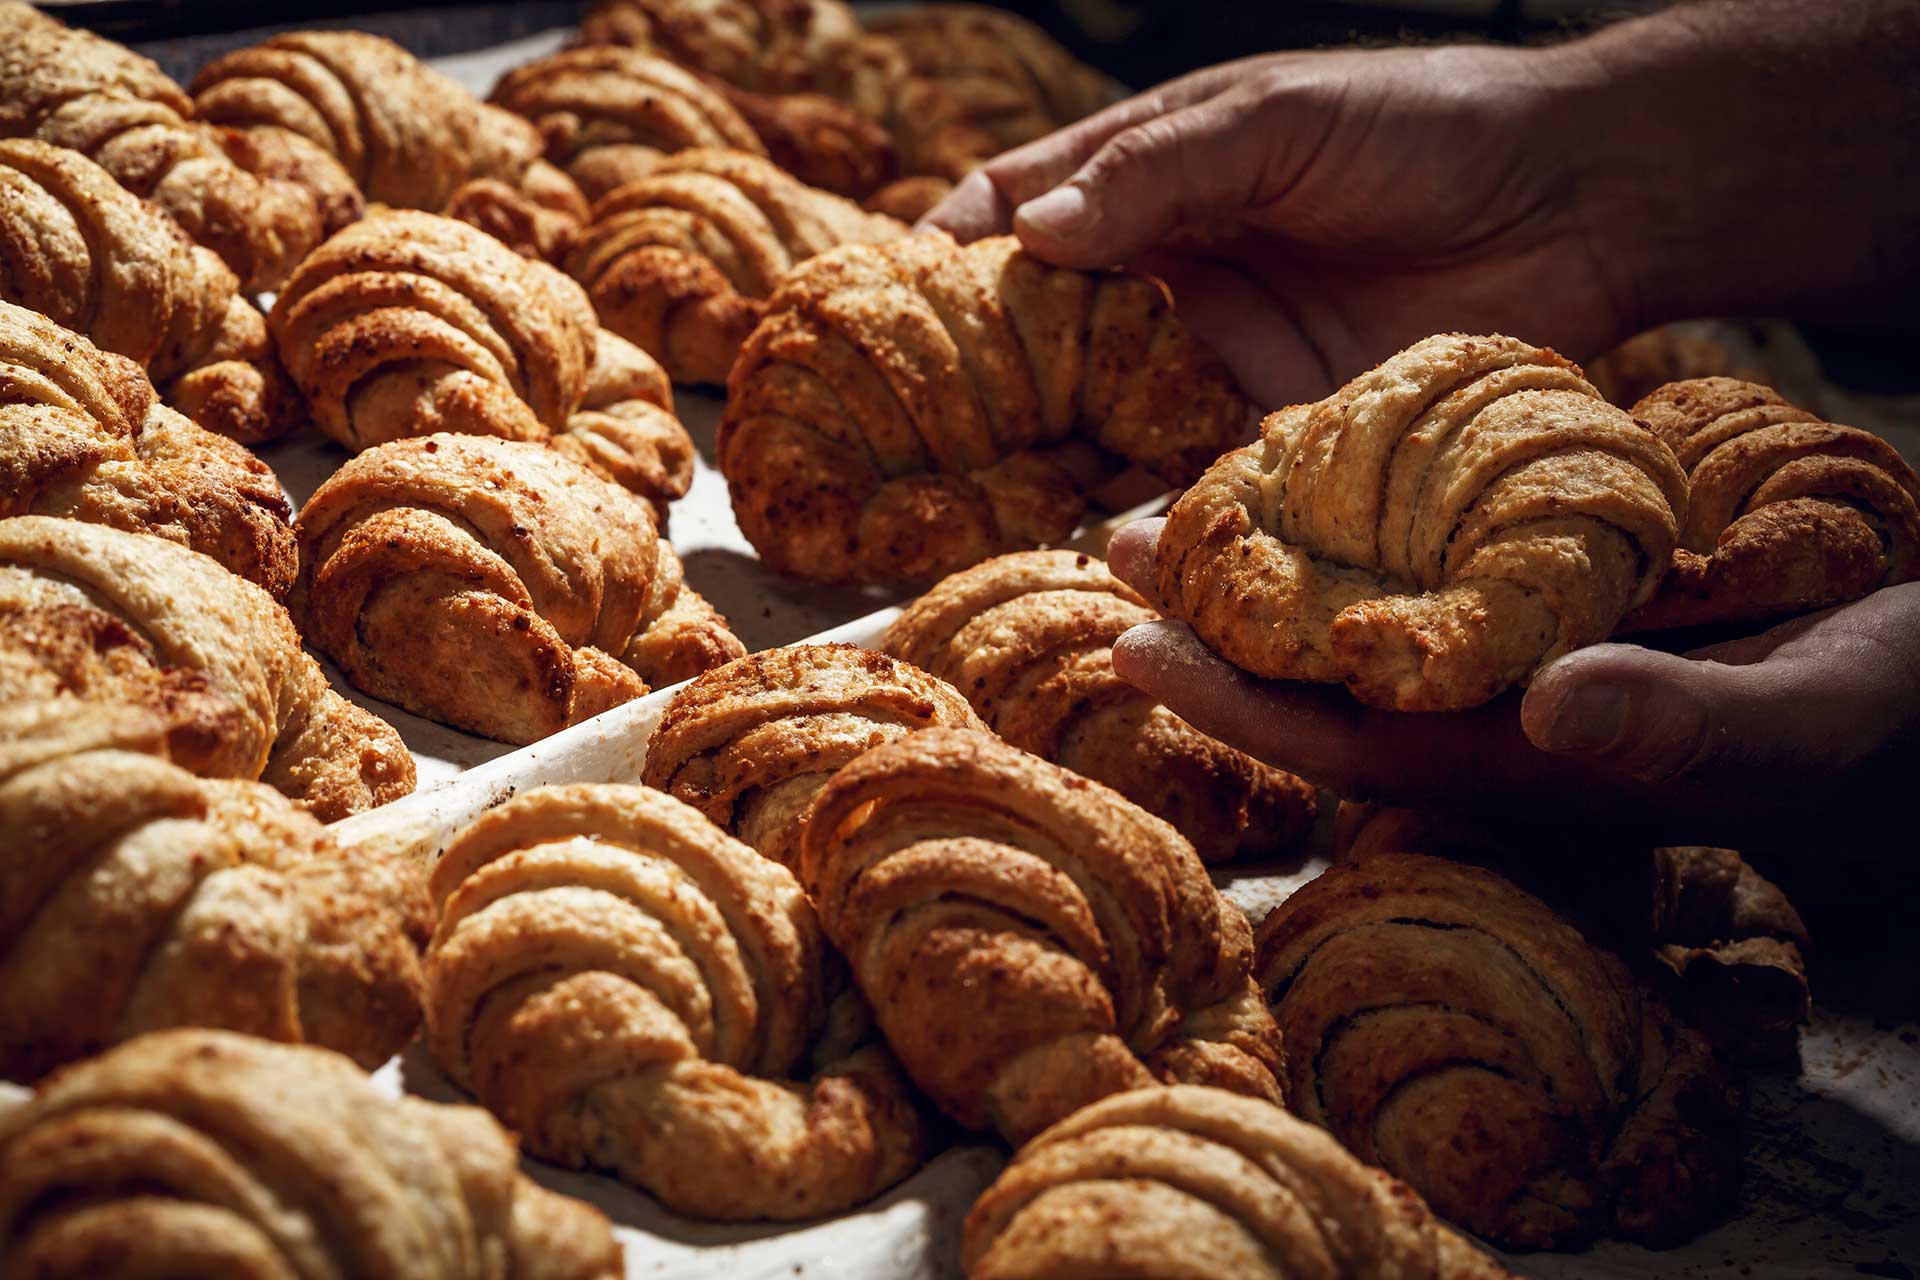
[[681, 263], [821, 141], [1431, 533], [496, 586], [1191, 1183], [376, 122], [1028, 638], [409, 324], [1029, 940], [1648, 361], [908, 409], [751, 744], [100, 615], [139, 896], [81, 436], [767, 46], [210, 1153], [1722, 943], [1786, 514], [631, 989], [75, 89], [1453, 1030], [85, 252]]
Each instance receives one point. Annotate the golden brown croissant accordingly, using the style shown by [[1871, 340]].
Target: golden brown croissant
[[82, 436], [909, 409], [1718, 939], [496, 586], [751, 744], [1456, 1032], [99, 615], [397, 131], [85, 252], [682, 262], [409, 323], [767, 46], [1785, 513], [1431, 533], [207, 1153], [135, 896], [821, 141], [632, 990], [1028, 939], [1648, 361], [75, 89], [1191, 1183], [1028, 638]]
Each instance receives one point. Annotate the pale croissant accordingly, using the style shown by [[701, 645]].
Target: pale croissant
[[138, 896], [1786, 514], [496, 586], [82, 435], [409, 323], [99, 615], [1029, 940], [681, 263], [91, 256], [75, 89], [751, 744], [207, 1153], [1453, 1030], [908, 409], [632, 990], [1191, 1183], [1431, 533]]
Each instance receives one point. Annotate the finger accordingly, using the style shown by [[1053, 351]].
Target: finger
[[1234, 311], [1130, 555], [975, 208]]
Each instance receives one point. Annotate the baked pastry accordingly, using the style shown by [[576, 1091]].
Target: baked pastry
[[912, 408], [752, 743], [1786, 514], [1191, 1183], [98, 615], [1719, 940], [1029, 940], [409, 324], [75, 89], [682, 262], [209, 1153], [1028, 639], [91, 256], [1431, 533], [630, 989], [370, 119], [1453, 1030], [767, 46], [82, 436], [137, 896], [1648, 361], [821, 141], [496, 586]]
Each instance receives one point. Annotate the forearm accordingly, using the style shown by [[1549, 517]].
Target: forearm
[[1752, 156]]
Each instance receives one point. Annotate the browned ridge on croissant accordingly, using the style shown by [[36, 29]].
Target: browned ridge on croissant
[[103, 616], [75, 89], [82, 435], [1453, 1030], [1431, 533], [1191, 1183], [682, 262], [1785, 513], [1029, 940], [908, 409], [135, 896], [91, 256], [633, 990], [208, 1153], [497, 586], [1028, 639], [752, 743]]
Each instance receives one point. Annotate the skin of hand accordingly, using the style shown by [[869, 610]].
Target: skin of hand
[[1809, 724]]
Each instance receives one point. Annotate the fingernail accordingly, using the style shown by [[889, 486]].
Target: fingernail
[[1588, 720], [1062, 211]]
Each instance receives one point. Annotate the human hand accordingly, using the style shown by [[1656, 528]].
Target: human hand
[[1802, 727]]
